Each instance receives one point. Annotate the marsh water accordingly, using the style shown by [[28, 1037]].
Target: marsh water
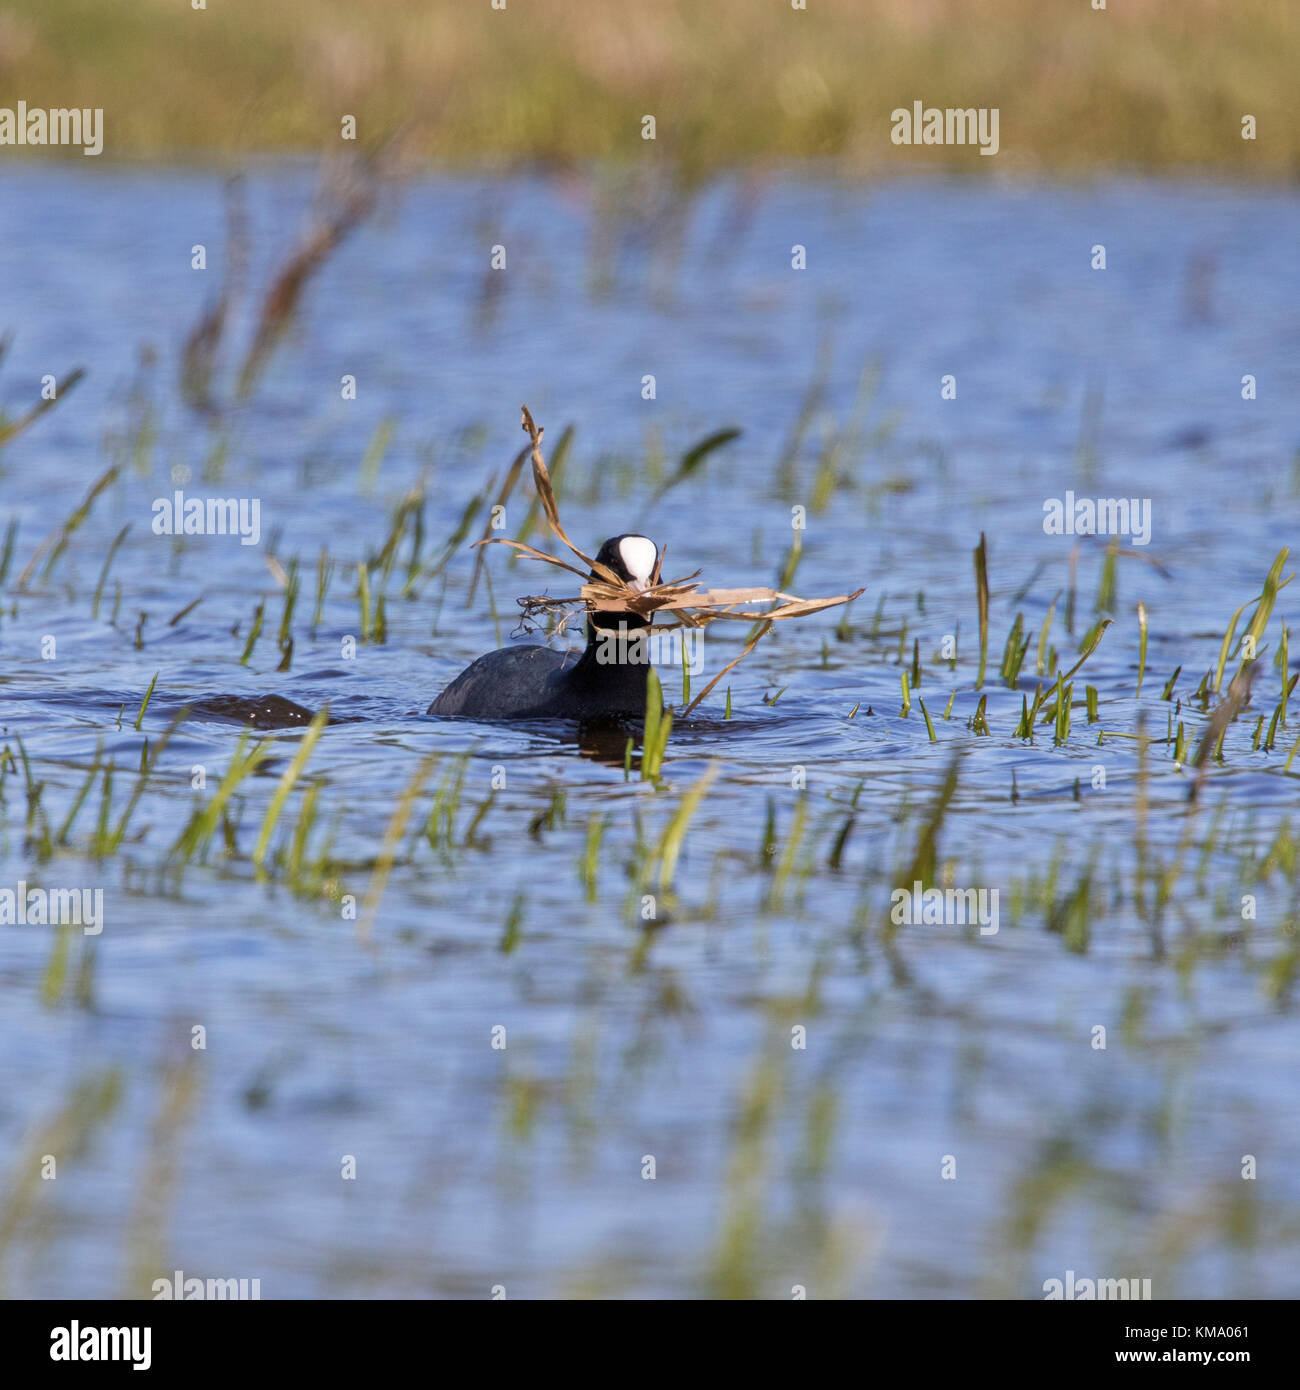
[[656, 1123]]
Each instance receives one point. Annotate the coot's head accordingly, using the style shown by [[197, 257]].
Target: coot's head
[[633, 558]]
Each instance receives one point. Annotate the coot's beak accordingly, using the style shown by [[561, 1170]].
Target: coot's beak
[[638, 586]]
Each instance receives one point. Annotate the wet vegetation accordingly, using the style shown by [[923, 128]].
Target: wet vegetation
[[684, 926]]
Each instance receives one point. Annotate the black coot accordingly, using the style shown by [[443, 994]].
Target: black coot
[[606, 681]]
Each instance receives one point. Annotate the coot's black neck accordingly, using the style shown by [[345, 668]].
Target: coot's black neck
[[617, 660]]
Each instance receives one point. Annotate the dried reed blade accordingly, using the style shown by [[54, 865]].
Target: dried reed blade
[[542, 481]]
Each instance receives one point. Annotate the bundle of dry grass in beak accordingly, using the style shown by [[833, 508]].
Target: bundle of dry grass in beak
[[681, 601]]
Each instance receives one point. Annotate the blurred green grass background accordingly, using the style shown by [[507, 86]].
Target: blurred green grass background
[[1143, 84]]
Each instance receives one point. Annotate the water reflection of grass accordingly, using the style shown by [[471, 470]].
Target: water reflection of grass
[[727, 81]]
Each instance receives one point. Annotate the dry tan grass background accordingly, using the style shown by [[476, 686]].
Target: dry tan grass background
[[1143, 84]]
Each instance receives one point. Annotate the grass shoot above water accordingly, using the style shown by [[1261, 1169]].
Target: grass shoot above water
[[1235, 711]]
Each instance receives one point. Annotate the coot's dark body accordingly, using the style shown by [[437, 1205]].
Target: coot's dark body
[[606, 681], [533, 682]]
